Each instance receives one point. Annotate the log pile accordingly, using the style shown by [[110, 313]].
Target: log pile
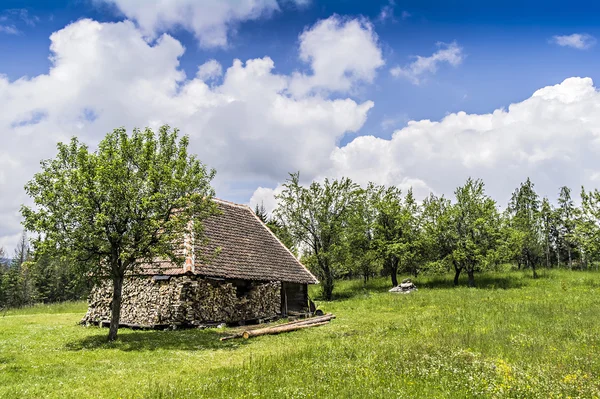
[[280, 328], [184, 300], [406, 287]]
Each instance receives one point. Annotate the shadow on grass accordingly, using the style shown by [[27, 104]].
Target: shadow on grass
[[482, 282], [128, 340], [348, 289]]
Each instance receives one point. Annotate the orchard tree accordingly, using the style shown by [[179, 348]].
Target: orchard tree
[[387, 228], [316, 217], [588, 228], [566, 221], [547, 225], [525, 224], [439, 234], [410, 249], [476, 222], [359, 236], [127, 203]]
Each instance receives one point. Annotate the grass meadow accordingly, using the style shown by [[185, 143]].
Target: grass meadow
[[512, 337]]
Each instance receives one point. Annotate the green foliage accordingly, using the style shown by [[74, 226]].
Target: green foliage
[[25, 281], [566, 215], [388, 228], [439, 234], [122, 205], [359, 238], [526, 227], [476, 221], [316, 217], [514, 337], [587, 229]]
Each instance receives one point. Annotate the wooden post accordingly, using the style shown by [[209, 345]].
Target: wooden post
[[284, 308]]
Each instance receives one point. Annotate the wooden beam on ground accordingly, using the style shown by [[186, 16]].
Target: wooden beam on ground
[[302, 322], [277, 330]]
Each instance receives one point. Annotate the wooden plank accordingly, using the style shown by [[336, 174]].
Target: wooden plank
[[278, 330]]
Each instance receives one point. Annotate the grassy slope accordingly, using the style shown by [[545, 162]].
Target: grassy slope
[[514, 337]]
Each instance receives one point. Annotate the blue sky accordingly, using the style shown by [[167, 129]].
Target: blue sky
[[506, 44], [490, 55]]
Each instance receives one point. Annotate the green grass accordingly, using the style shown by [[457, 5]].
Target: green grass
[[511, 337]]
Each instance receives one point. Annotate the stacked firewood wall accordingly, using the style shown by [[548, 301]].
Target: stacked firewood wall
[[187, 300]]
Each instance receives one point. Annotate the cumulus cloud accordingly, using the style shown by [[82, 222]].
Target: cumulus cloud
[[105, 75], [422, 66], [341, 52], [552, 137], [211, 21], [580, 41]]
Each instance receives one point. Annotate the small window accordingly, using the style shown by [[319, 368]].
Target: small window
[[243, 288]]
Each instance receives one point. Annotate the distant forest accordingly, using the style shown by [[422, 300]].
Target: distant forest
[[24, 281]]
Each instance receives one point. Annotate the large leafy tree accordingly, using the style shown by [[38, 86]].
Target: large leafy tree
[[126, 203], [476, 222], [316, 217]]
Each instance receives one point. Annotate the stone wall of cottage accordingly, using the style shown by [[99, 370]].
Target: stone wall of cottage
[[190, 300]]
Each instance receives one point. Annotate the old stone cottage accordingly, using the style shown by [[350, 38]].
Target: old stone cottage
[[253, 276]]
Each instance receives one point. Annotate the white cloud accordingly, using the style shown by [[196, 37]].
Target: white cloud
[[211, 21], [448, 53], [105, 75], [341, 52], [10, 18], [552, 137], [211, 69], [580, 41], [9, 29]]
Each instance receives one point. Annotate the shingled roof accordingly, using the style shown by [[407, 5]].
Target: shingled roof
[[245, 249]]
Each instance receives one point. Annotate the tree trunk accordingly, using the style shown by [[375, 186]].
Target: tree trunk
[[328, 288], [327, 283], [457, 271], [535, 275], [471, 275], [394, 273], [570, 260], [115, 308]]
